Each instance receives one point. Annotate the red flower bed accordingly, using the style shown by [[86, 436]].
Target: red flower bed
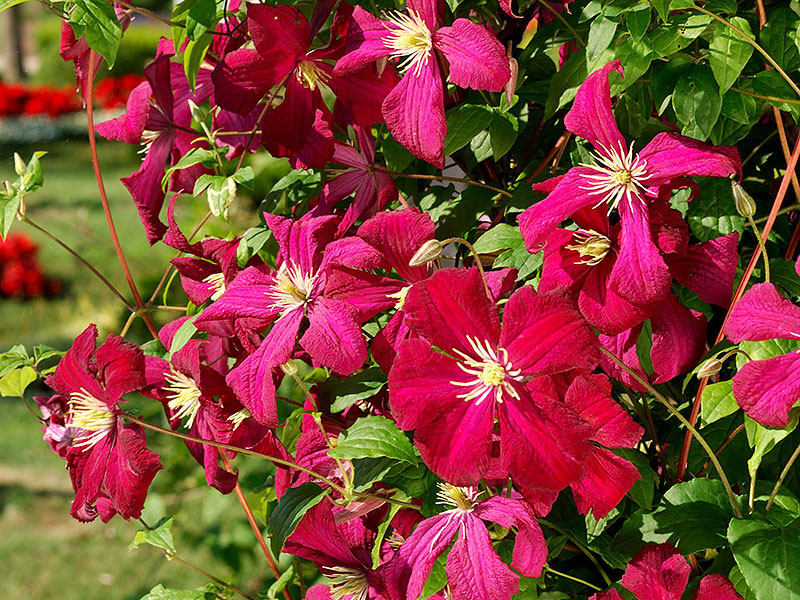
[[20, 273]]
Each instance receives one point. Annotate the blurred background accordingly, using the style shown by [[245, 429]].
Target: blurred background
[[48, 297]]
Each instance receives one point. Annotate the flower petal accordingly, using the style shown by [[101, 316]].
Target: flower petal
[[590, 397], [590, 116], [365, 41], [767, 389], [763, 314], [670, 155], [334, 338], [679, 338], [608, 478], [716, 587], [419, 552], [414, 113], [477, 60], [708, 269], [244, 77], [398, 234], [657, 573]]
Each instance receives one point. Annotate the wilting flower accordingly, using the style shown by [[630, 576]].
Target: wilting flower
[[624, 181], [414, 109], [109, 463], [451, 398], [766, 389], [661, 573], [474, 570]]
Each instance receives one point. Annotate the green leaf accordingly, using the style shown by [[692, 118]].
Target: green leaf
[[161, 593], [601, 34], [717, 402], [764, 439], [638, 20], [716, 215], [381, 533], [779, 38], [155, 348], [183, 335], [770, 83], [740, 585], [740, 107], [437, 578], [195, 156], [697, 102], [767, 557], [159, 536], [8, 213], [499, 237], [502, 134], [353, 389], [464, 122], [281, 583], [193, 56], [642, 491], [15, 383], [414, 480], [4, 4], [481, 145], [729, 53], [200, 18], [290, 509], [374, 437], [662, 8], [251, 244], [97, 22]]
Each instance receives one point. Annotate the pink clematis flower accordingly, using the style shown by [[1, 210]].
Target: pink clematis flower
[[484, 372], [626, 182], [661, 573], [766, 389], [414, 109], [109, 463], [288, 299], [474, 570]]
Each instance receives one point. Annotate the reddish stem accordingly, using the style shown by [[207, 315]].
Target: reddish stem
[[253, 525], [93, 62], [773, 214]]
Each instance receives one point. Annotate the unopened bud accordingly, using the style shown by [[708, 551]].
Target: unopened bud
[[19, 165], [289, 367], [429, 251], [511, 84], [197, 114], [745, 205], [711, 367]]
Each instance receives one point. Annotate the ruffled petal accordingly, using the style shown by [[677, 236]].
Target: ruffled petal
[[398, 234], [590, 397], [419, 552], [679, 338], [608, 478], [145, 186], [129, 127], [657, 573], [365, 41], [767, 389], [670, 156], [244, 77], [716, 587], [763, 314]]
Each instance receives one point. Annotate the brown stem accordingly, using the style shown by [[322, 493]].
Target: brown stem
[[722, 447], [217, 580], [689, 427], [773, 214], [254, 526], [104, 198], [86, 263], [476, 256], [787, 467], [562, 141], [446, 178]]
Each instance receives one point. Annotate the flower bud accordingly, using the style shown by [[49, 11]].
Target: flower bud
[[711, 367], [194, 110], [745, 205], [19, 165], [289, 367], [429, 251]]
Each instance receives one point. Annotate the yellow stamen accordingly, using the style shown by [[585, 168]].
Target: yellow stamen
[[591, 245], [462, 498], [292, 287], [184, 396], [400, 297], [309, 74], [92, 416], [411, 41], [217, 283]]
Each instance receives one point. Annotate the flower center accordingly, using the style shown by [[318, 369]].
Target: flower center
[[411, 41], [346, 581], [239, 417], [184, 396], [400, 297], [217, 283], [490, 373], [309, 74], [291, 288], [92, 416], [591, 245], [463, 499], [617, 175]]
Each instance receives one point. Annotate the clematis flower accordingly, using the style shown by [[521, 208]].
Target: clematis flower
[[662, 573], [474, 570], [373, 189], [109, 463], [414, 109], [289, 298], [298, 127], [766, 389], [624, 181], [485, 372]]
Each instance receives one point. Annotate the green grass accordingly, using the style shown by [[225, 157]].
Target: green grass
[[46, 554]]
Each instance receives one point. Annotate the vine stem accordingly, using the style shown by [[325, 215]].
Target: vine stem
[[476, 256], [763, 97], [572, 577], [722, 447], [566, 24], [580, 547], [104, 198], [86, 263], [754, 44], [446, 178], [253, 525], [761, 244], [215, 579], [273, 459], [787, 467], [690, 428], [773, 214]]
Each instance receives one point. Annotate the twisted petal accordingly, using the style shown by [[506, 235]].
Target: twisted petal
[[679, 337], [398, 234], [365, 41], [419, 552]]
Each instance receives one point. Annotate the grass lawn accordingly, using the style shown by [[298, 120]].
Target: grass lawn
[[45, 553]]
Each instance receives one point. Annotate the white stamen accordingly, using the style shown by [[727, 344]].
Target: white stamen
[[400, 297], [591, 245], [239, 417], [217, 283], [90, 415], [346, 581], [491, 373], [618, 175], [292, 287], [411, 42], [184, 396]]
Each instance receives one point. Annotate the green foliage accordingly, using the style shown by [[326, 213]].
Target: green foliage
[[290, 509], [374, 437]]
